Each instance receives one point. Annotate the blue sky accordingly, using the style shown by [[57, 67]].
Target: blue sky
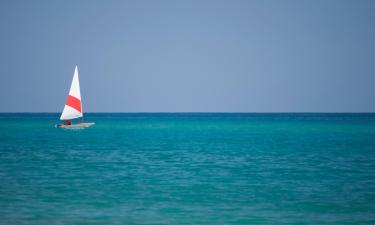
[[189, 56]]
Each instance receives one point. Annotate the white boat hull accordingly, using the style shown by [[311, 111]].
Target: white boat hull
[[78, 125]]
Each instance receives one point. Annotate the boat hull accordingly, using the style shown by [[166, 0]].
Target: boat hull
[[78, 125]]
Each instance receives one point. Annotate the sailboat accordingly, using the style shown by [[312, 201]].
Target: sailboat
[[73, 106]]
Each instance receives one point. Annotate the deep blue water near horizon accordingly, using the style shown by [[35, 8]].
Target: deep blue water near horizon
[[188, 168]]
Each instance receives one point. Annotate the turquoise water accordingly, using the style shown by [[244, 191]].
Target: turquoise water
[[188, 169]]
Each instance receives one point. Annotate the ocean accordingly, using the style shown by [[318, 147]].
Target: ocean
[[188, 168]]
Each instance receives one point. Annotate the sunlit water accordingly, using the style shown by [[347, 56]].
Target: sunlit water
[[188, 169]]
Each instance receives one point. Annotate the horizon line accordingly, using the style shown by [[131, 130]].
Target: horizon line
[[198, 112]]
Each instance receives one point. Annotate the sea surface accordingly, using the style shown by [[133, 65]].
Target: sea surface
[[188, 168]]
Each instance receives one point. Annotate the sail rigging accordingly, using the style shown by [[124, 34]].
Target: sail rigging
[[73, 105]]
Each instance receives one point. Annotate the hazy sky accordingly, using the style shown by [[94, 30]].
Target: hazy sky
[[189, 56]]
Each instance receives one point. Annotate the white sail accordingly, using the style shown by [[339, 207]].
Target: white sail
[[73, 105]]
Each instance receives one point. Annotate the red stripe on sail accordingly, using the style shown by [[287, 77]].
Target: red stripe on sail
[[74, 103]]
